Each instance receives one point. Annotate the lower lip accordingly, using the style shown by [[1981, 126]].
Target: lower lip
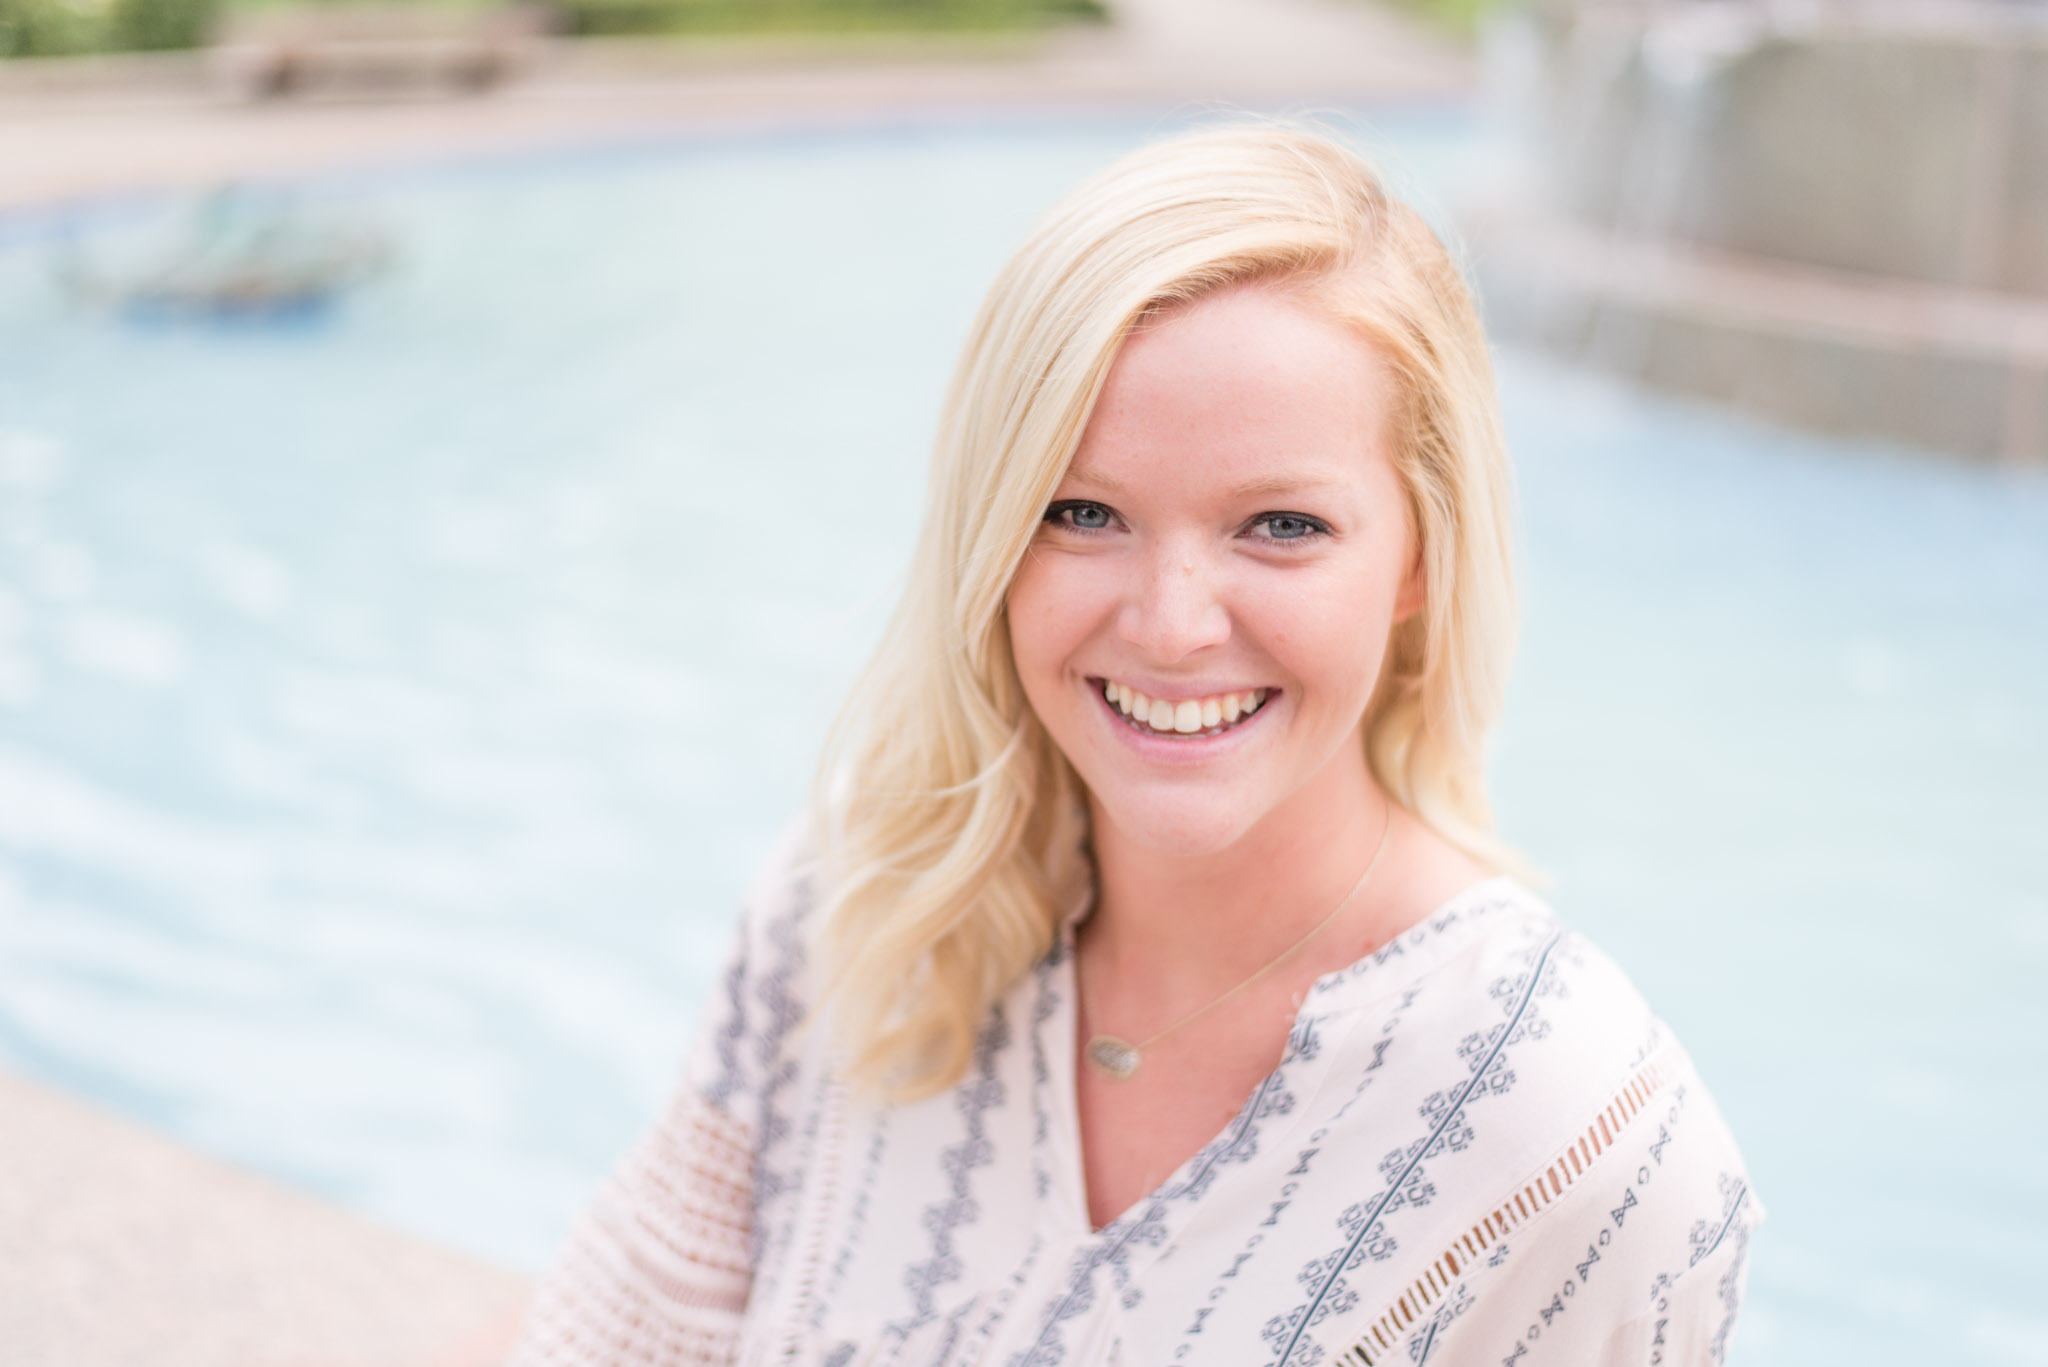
[[1178, 745]]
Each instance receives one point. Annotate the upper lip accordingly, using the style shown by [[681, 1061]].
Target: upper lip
[[1181, 691]]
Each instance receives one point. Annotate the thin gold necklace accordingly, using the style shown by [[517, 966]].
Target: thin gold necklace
[[1120, 1058]]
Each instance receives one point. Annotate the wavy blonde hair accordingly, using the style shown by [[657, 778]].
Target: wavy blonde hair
[[951, 830]]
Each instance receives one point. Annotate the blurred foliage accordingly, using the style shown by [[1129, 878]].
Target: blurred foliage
[[372, 4], [817, 16], [59, 28], [1458, 17], [155, 25], [52, 28]]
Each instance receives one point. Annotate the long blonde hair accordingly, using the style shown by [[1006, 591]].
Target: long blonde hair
[[951, 830]]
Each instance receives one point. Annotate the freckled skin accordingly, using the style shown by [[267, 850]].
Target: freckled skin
[[1223, 431], [1241, 388]]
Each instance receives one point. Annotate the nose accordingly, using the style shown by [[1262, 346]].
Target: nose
[[1173, 609]]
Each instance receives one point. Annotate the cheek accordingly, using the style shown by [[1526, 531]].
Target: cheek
[[1331, 636], [1049, 614]]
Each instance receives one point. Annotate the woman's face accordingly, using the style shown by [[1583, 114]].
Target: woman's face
[[1204, 609]]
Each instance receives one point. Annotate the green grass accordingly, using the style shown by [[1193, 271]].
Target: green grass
[[1460, 18], [39, 28], [59, 28]]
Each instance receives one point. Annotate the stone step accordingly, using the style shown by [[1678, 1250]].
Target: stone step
[[1958, 370], [119, 1248]]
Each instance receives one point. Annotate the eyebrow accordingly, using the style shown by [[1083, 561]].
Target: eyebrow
[[1268, 484]]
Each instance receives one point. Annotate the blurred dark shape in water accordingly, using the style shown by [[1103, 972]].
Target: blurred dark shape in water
[[239, 256]]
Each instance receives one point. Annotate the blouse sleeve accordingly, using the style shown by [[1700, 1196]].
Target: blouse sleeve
[[658, 1271], [1698, 1213], [1642, 1262], [1690, 1315]]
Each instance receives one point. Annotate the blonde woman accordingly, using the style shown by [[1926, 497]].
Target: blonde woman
[[1150, 986]]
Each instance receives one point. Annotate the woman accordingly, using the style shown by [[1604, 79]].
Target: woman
[[1151, 990]]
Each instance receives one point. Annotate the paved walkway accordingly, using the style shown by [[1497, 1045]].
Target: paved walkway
[[160, 128], [119, 1249]]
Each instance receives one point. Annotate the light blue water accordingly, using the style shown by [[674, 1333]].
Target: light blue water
[[392, 706]]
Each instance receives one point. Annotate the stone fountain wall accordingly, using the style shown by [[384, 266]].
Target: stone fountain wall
[[1835, 215]]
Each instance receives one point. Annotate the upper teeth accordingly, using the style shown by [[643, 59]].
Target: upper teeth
[[1186, 716]]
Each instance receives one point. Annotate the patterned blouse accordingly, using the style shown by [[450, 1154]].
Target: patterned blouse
[[1480, 1147]]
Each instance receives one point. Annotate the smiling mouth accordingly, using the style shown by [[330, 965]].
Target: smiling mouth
[[1208, 716]]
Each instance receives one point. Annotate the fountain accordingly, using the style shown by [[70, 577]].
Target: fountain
[[1832, 212]]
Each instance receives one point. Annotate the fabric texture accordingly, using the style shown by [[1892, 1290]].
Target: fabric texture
[[1480, 1147]]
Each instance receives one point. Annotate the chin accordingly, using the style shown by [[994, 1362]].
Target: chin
[[1180, 825]]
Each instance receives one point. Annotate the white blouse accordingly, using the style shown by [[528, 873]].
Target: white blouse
[[1479, 1147]]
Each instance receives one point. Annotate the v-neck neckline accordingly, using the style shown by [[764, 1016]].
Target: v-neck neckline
[[1062, 1164]]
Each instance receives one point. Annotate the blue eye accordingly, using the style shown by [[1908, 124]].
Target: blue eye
[[1085, 517], [1290, 526]]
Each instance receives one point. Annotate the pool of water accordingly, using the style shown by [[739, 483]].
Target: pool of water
[[393, 702]]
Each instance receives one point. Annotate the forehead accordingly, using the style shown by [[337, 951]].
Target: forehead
[[1249, 388]]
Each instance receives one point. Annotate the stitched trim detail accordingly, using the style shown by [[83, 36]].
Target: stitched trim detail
[[1542, 1191]]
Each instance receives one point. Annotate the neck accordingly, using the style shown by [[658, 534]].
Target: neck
[[1197, 923]]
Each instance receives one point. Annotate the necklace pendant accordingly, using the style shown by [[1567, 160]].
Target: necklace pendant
[[1118, 1058]]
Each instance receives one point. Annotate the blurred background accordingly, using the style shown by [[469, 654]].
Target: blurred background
[[453, 457]]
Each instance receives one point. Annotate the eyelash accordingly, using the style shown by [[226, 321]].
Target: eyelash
[[1056, 515], [1317, 528]]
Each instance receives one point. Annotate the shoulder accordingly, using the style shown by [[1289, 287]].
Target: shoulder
[[778, 911], [1554, 1031], [761, 996], [1555, 991], [1635, 1138], [1495, 953], [1621, 1187]]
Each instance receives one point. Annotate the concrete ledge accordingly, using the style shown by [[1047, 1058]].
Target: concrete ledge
[[678, 54], [122, 1250], [119, 75], [1957, 370]]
